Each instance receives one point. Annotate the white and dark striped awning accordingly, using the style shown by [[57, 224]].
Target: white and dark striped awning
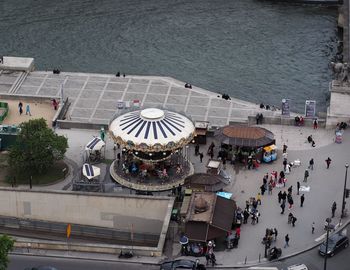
[[150, 127], [95, 144], [90, 171]]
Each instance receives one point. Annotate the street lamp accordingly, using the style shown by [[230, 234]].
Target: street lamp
[[344, 191], [327, 227]]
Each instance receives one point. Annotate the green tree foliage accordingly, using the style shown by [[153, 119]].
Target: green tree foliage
[[6, 245], [36, 148]]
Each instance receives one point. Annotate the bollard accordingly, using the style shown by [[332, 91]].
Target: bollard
[[245, 260], [259, 257]]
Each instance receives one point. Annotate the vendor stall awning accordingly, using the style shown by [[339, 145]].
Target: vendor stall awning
[[270, 148], [90, 171], [95, 145]]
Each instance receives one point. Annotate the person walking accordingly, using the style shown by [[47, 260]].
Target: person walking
[[328, 162], [275, 232], [313, 227], [28, 110], [285, 164], [298, 187], [315, 123], [283, 206], [311, 164], [334, 207], [294, 219], [306, 175], [20, 108], [263, 189], [258, 198], [302, 199], [279, 196], [284, 196], [201, 157], [291, 203], [196, 150], [286, 239]]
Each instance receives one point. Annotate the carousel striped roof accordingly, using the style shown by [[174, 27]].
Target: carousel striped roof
[[152, 126]]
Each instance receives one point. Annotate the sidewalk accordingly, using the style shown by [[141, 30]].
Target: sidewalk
[[325, 186]]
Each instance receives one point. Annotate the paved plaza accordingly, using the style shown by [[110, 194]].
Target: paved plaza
[[94, 97]]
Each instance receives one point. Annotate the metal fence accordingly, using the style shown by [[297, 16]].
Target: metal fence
[[54, 230]]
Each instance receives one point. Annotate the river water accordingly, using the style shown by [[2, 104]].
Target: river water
[[250, 49]]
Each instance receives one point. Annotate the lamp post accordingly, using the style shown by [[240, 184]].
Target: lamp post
[[344, 191], [328, 221]]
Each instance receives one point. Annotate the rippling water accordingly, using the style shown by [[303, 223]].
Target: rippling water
[[253, 50]]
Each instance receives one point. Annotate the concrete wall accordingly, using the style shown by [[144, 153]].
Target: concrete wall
[[147, 214]]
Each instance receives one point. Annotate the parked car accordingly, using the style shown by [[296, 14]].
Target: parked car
[[336, 242], [182, 264]]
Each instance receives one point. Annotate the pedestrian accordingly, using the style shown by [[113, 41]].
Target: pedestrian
[[334, 207], [315, 123], [298, 187], [270, 189], [263, 189], [294, 219], [313, 144], [311, 164], [245, 216], [283, 206], [328, 162], [302, 199], [286, 239], [290, 218], [201, 157], [275, 232], [212, 154], [284, 148], [290, 190], [28, 110], [279, 196], [55, 104], [284, 196], [258, 199], [20, 108], [313, 227], [285, 164], [306, 175], [291, 203], [196, 149]]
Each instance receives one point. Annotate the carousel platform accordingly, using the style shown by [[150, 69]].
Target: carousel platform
[[152, 182]]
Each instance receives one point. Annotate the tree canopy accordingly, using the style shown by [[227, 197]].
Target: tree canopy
[[37, 147], [6, 245]]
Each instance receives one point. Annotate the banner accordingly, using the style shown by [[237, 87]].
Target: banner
[[310, 108], [286, 107]]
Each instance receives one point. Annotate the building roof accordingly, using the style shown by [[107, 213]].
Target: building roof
[[213, 223], [245, 136], [205, 182]]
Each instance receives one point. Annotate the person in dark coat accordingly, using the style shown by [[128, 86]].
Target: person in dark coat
[[302, 199], [311, 164], [201, 157], [294, 219], [263, 189], [328, 162], [284, 196], [279, 196], [306, 175], [298, 187], [283, 206]]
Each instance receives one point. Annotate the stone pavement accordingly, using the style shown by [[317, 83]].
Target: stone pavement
[[94, 96], [326, 186]]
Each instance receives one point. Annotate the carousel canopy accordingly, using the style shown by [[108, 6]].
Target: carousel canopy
[[245, 136], [90, 171], [95, 145], [152, 130]]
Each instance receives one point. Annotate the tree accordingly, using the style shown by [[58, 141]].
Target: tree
[[36, 148], [6, 245]]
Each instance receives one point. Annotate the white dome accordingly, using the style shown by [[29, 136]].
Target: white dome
[[145, 129]]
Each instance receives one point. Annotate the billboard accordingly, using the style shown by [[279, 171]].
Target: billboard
[[285, 107], [310, 108]]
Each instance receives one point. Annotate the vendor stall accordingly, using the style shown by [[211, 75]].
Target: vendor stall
[[269, 153], [201, 129]]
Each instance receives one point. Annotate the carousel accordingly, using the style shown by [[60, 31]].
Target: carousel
[[154, 149]]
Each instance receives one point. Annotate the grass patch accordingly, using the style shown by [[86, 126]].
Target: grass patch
[[53, 175]]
